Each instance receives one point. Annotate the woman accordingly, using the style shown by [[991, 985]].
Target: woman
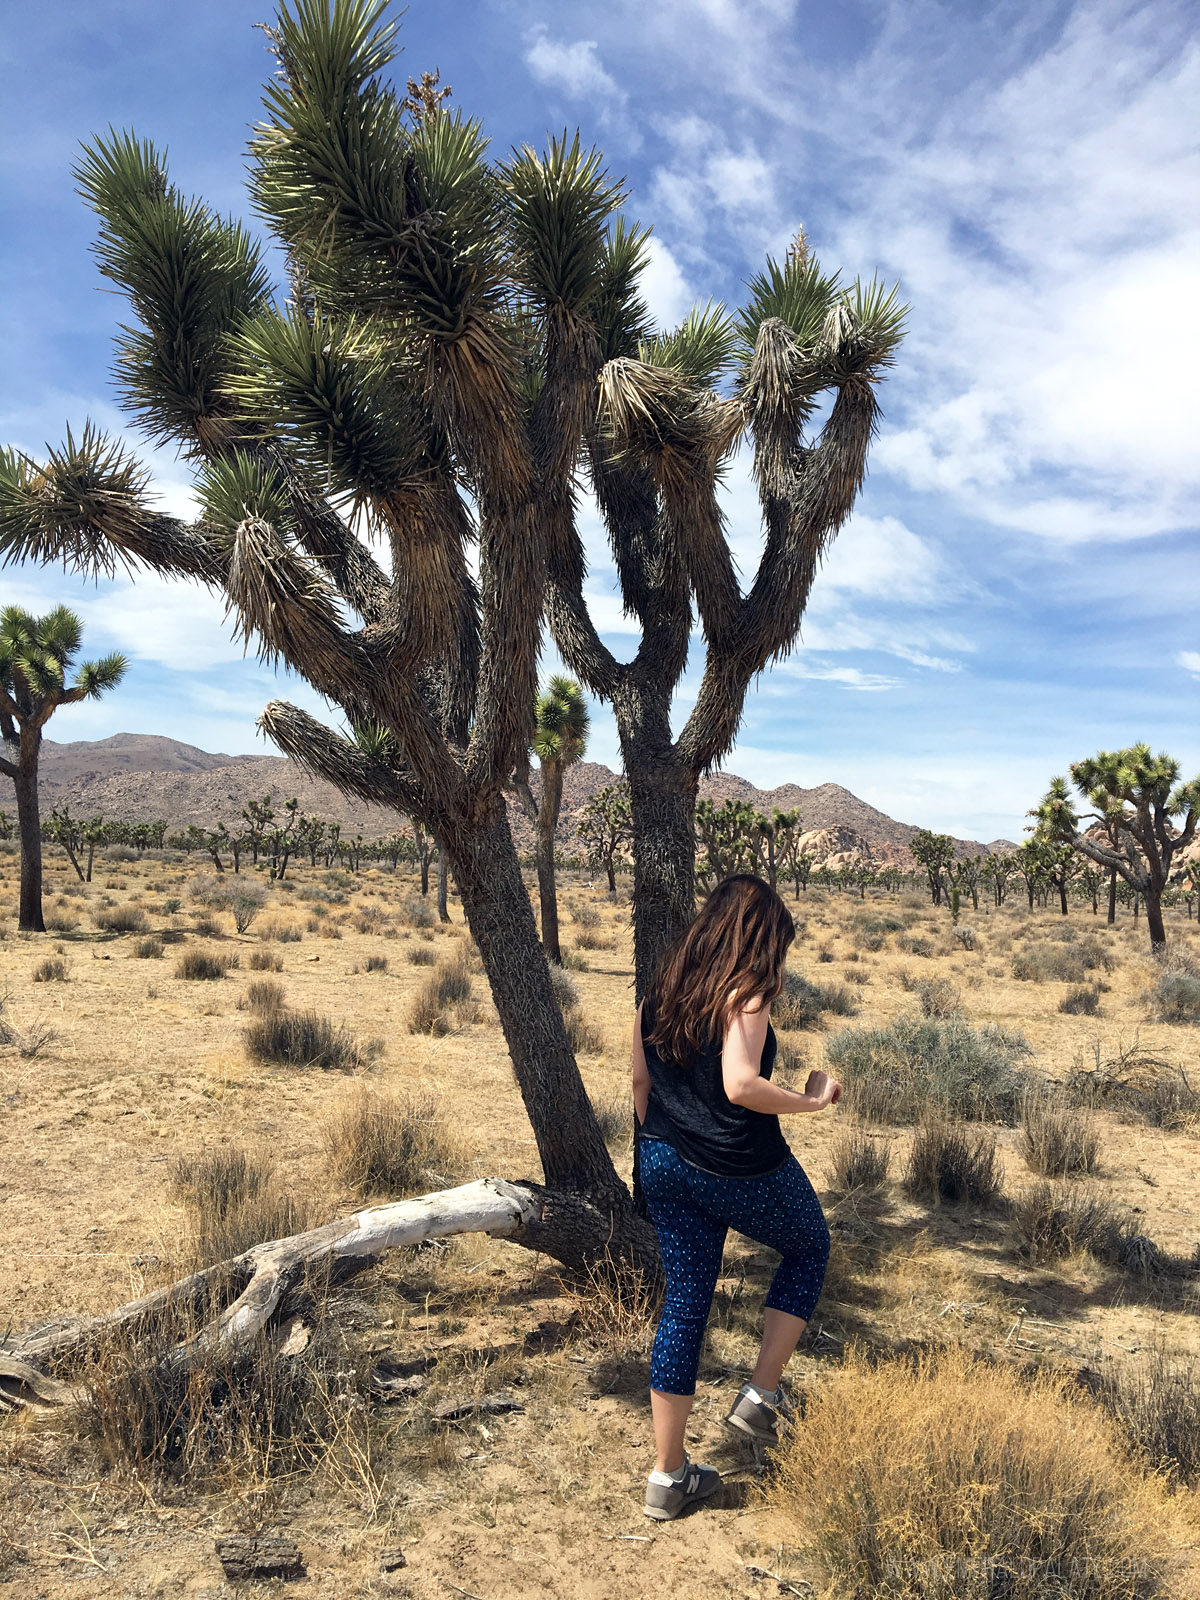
[[711, 1156]]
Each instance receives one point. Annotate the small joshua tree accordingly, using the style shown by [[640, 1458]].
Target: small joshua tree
[[560, 735], [1143, 818], [36, 656]]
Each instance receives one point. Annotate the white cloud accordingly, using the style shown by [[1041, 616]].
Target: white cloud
[[575, 68], [882, 557], [1189, 660], [664, 287]]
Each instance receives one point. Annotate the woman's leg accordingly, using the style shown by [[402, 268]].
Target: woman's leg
[[783, 1211], [690, 1244], [781, 1335]]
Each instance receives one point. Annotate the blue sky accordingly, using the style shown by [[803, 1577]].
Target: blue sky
[[1019, 586]]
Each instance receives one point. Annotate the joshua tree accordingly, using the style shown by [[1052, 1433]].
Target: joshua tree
[[605, 825], [664, 429], [934, 852], [36, 656], [1143, 817], [429, 382], [997, 869], [560, 730]]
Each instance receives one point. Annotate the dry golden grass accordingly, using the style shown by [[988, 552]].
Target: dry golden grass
[[947, 1477]]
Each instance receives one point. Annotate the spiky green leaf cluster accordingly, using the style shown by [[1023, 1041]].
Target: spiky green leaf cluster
[[559, 205], [561, 723], [190, 277], [239, 485], [702, 347], [334, 394], [37, 653]]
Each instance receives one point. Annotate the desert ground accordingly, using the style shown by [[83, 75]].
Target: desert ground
[[117, 1075]]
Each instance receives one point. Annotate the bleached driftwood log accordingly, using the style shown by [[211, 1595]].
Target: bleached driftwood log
[[262, 1279]]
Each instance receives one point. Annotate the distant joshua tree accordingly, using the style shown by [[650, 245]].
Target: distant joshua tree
[[1143, 818], [560, 732], [36, 656]]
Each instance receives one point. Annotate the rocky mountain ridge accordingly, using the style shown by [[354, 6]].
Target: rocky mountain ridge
[[141, 777]]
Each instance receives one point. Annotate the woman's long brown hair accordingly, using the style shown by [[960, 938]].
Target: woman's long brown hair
[[732, 955]]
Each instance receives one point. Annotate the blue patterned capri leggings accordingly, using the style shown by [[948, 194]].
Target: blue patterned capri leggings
[[692, 1211]]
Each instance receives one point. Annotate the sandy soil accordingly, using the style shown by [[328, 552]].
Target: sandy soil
[[142, 1066]]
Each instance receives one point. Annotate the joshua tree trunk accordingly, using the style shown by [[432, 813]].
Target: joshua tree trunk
[[612, 877], [1154, 919], [500, 917], [547, 825], [443, 887], [1112, 896], [663, 806], [30, 828]]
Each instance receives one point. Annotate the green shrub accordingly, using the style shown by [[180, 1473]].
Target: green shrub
[[894, 1073]]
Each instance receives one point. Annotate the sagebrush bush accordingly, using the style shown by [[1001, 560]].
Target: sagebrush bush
[[150, 949], [437, 1006], [940, 1477], [281, 932], [946, 1161], [265, 997], [1057, 1140], [857, 1162], [1055, 1220], [1083, 1000], [120, 919], [1053, 961], [375, 964], [585, 916], [1156, 1404], [803, 1003], [937, 997], [301, 1039], [614, 1113], [418, 913], [204, 965], [394, 1144], [264, 961], [52, 970], [1176, 997], [894, 1073], [421, 955]]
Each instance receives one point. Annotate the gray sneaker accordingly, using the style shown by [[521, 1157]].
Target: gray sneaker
[[753, 1416], [665, 1500]]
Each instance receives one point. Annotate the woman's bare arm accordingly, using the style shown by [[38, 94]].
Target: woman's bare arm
[[641, 1072], [744, 1083]]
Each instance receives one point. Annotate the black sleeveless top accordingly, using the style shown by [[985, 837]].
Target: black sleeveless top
[[688, 1107]]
